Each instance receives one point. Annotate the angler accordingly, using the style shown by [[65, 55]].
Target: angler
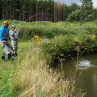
[[4, 40], [14, 39]]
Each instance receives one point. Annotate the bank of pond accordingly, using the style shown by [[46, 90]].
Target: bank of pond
[[46, 43], [69, 45], [60, 39]]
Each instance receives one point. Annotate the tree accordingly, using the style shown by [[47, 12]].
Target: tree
[[86, 10], [45, 10], [75, 16], [73, 7]]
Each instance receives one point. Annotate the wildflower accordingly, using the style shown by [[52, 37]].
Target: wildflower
[[36, 37]]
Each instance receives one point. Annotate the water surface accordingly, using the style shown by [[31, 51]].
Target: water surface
[[87, 73]]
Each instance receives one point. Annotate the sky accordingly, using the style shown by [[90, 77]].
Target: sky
[[76, 1]]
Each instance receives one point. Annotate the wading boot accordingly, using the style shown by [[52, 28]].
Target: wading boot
[[3, 59], [10, 57]]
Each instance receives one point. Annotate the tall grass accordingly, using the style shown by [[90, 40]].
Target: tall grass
[[33, 78], [50, 30]]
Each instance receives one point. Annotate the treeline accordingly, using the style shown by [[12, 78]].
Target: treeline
[[30, 10], [37, 10]]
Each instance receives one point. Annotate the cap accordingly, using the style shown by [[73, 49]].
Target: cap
[[6, 22], [12, 26]]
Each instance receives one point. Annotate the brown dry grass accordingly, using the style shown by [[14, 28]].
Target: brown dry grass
[[35, 79]]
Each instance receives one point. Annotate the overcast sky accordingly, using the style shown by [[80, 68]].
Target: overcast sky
[[76, 1]]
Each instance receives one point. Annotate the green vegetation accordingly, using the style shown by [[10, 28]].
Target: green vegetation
[[46, 10], [46, 43], [6, 74], [43, 43], [63, 46], [74, 16], [33, 77], [30, 76], [86, 10], [61, 38], [85, 13]]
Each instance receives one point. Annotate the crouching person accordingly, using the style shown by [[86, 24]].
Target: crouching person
[[14, 39], [4, 39]]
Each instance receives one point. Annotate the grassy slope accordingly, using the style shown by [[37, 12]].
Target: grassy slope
[[30, 76], [35, 79], [6, 69]]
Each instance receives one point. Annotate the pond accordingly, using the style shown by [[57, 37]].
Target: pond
[[86, 74]]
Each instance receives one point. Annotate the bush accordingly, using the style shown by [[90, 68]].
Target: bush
[[62, 46]]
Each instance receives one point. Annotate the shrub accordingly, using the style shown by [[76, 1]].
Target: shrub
[[62, 46]]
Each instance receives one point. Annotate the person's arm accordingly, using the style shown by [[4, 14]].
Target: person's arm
[[17, 31], [2, 30], [11, 33]]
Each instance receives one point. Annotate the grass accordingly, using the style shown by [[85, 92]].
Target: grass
[[35, 79], [29, 75], [50, 30], [6, 69], [4, 83]]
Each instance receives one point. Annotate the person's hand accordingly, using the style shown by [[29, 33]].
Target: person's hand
[[3, 42], [15, 30]]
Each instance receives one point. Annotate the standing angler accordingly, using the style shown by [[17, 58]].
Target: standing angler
[[14, 39], [4, 39]]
